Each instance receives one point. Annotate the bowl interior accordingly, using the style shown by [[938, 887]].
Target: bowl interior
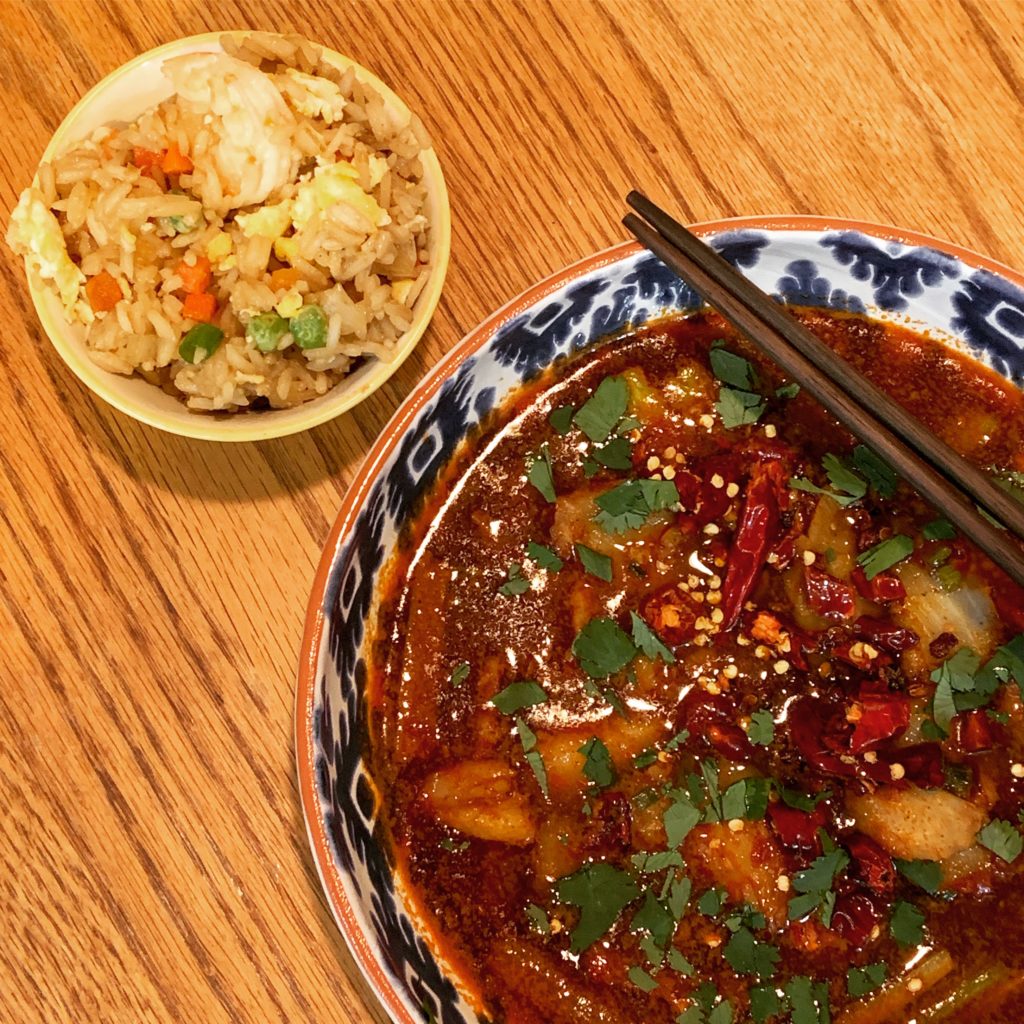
[[964, 301], [124, 95]]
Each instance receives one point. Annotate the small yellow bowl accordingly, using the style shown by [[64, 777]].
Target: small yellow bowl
[[124, 95]]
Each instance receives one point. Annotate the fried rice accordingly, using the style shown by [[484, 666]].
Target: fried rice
[[246, 243]]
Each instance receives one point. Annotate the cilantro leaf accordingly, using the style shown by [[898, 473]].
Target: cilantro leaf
[[710, 902], [544, 557], [801, 483], [655, 918], [709, 777], [748, 956], [602, 648], [754, 794], [680, 818], [601, 892], [641, 979], [906, 924], [938, 529], [648, 641], [561, 419], [600, 413], [516, 584], [539, 474], [842, 478], [616, 454], [594, 562], [679, 963], [885, 554], [737, 408], [678, 896], [790, 390], [598, 766], [1002, 839], [645, 758], [814, 883], [822, 872], [878, 472], [538, 918], [528, 738], [732, 369], [519, 695], [808, 1001], [862, 980], [761, 730], [923, 873], [801, 801], [764, 1003], [650, 863], [722, 1013], [628, 505], [459, 674], [678, 740]]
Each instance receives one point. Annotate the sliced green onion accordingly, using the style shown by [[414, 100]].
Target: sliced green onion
[[949, 578]]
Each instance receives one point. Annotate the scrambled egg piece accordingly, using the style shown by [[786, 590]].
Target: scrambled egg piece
[[336, 183], [219, 247], [267, 222], [286, 249], [35, 233], [314, 97]]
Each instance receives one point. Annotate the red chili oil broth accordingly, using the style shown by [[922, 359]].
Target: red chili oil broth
[[448, 764]]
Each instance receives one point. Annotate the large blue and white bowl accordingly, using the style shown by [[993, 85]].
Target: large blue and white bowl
[[962, 299]]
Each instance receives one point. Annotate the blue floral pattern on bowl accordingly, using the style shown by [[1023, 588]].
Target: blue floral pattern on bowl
[[971, 307]]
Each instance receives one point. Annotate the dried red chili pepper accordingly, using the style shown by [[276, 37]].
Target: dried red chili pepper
[[972, 731], [671, 614], [710, 718], [885, 635], [713, 501], [882, 588], [856, 916], [871, 864], [757, 531], [828, 595], [797, 829], [820, 732], [921, 764], [882, 715]]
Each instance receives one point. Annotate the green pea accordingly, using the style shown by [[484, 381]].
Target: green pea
[[266, 330], [200, 342], [309, 327]]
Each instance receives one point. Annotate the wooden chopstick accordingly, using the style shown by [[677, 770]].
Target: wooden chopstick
[[927, 463]]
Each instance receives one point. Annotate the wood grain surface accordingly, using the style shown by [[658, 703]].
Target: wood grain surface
[[153, 860]]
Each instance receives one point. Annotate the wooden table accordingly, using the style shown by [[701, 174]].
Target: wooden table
[[153, 860]]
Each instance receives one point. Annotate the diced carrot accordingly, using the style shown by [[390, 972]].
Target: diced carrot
[[286, 277], [145, 159], [175, 162], [199, 306], [195, 278], [103, 291]]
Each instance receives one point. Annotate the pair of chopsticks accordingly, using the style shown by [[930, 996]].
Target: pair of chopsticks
[[939, 474]]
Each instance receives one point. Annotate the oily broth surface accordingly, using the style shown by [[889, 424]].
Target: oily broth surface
[[440, 608]]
